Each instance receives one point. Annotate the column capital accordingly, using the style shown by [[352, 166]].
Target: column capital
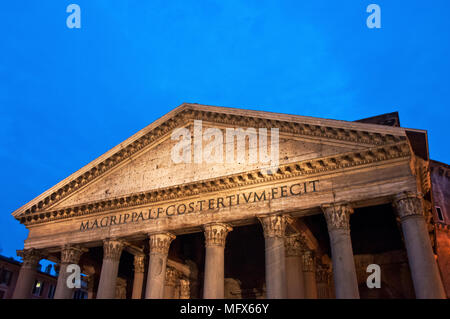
[[408, 204], [160, 242], [337, 215], [216, 234], [295, 245], [274, 225], [30, 257], [185, 290], [308, 261], [112, 249], [139, 263], [70, 254], [323, 273], [171, 276]]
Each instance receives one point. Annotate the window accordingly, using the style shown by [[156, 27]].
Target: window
[[38, 288], [5, 277], [439, 214], [51, 291]]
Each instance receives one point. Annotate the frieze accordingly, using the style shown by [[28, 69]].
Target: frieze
[[204, 205]]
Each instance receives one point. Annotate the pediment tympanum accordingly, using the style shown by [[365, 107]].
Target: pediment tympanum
[[144, 162]]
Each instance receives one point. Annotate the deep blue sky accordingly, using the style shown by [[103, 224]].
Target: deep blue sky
[[69, 95]]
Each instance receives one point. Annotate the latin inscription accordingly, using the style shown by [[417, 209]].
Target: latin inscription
[[201, 205]]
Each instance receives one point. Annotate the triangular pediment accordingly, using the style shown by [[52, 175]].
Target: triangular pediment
[[143, 162]]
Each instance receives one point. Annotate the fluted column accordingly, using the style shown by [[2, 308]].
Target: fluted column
[[338, 222], [185, 289], [159, 249], [215, 238], [424, 270], [112, 250], [69, 255], [27, 274], [274, 230], [138, 281], [309, 274], [294, 246], [170, 283]]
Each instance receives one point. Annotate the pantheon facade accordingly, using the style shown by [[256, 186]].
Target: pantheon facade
[[344, 196]]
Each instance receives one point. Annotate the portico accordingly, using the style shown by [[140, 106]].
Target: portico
[[164, 228]]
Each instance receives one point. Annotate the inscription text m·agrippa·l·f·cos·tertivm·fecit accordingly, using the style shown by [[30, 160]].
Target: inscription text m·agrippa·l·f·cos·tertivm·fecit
[[198, 206]]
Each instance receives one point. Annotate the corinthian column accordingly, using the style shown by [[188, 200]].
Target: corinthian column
[[323, 281], [138, 281], [424, 270], [69, 255], [185, 289], [294, 269], [309, 274], [170, 283], [214, 283], [274, 230], [159, 249], [27, 274], [112, 249], [338, 222]]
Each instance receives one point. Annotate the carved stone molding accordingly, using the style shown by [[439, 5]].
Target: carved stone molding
[[408, 204], [337, 215], [308, 260], [71, 254], [160, 243], [171, 276], [112, 249], [216, 234], [274, 225], [323, 273], [185, 289], [139, 263], [30, 257], [295, 245]]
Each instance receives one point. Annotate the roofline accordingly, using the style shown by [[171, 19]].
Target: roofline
[[375, 128]]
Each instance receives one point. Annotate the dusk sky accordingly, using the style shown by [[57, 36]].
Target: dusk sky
[[69, 95]]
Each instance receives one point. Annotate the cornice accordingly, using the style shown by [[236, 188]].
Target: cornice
[[297, 169], [318, 128]]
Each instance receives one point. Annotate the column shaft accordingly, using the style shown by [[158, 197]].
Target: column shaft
[[159, 249], [338, 222], [69, 255], [170, 283], [112, 249], [309, 275], [138, 280], [27, 274], [295, 284], [424, 270], [214, 281], [274, 231]]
